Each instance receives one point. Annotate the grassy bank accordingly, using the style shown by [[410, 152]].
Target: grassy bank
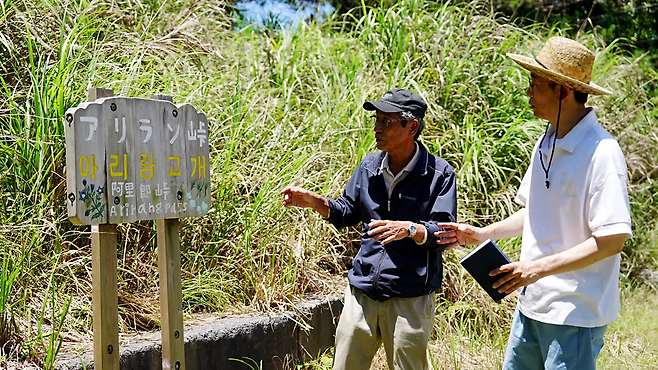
[[284, 108], [630, 343]]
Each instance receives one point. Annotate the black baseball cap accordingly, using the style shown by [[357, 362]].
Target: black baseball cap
[[398, 100]]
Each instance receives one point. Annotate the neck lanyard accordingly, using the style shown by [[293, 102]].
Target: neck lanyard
[[541, 155]]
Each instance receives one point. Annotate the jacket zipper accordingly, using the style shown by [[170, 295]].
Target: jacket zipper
[[389, 203], [405, 197], [381, 259], [427, 258]]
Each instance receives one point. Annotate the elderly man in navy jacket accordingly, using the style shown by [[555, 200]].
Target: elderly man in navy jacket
[[398, 194]]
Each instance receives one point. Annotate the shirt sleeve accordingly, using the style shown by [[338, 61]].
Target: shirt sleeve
[[524, 189], [444, 208], [608, 205], [523, 194], [344, 210]]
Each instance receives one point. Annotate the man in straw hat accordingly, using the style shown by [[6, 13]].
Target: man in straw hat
[[397, 194], [574, 219]]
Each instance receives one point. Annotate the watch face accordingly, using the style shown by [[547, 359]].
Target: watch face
[[412, 230]]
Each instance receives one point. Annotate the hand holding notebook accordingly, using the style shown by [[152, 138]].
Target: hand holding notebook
[[481, 261]]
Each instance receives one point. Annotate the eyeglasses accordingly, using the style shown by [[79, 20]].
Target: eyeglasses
[[383, 122]]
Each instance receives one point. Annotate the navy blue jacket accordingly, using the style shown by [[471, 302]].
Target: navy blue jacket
[[427, 195]]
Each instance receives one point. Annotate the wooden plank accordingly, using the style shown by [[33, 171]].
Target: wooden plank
[[205, 151], [104, 283], [171, 307], [85, 165], [147, 128], [175, 162], [98, 93], [71, 164], [168, 98], [173, 344], [120, 160], [197, 195]]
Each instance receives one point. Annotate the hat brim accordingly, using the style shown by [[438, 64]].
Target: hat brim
[[531, 65], [382, 106]]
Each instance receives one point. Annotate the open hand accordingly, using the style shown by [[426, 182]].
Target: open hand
[[463, 234], [387, 231], [294, 196]]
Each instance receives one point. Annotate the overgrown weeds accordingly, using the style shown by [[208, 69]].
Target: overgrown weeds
[[285, 108]]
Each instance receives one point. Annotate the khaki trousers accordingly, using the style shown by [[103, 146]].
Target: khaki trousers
[[404, 326]]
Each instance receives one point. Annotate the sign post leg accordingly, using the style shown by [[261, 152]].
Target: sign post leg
[[104, 281], [171, 305]]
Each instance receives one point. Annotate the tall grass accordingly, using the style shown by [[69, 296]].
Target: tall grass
[[8, 274], [285, 108]]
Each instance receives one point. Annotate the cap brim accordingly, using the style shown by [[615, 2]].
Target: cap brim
[[381, 106], [531, 65]]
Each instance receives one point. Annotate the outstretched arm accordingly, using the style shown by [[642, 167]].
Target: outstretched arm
[[294, 196], [465, 234], [342, 211]]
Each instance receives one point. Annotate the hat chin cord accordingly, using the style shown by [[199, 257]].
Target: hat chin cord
[[541, 156]]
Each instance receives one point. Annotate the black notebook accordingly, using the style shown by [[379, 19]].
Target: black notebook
[[482, 260]]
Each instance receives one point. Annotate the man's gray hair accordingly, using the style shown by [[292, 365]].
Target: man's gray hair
[[408, 116]]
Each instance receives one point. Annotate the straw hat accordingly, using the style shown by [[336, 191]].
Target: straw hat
[[565, 62]]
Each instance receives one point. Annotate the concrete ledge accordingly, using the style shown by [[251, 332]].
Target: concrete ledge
[[276, 341]]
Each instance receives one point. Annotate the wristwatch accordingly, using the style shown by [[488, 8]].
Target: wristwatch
[[412, 230]]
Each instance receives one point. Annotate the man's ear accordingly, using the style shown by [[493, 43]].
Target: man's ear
[[415, 125], [564, 92]]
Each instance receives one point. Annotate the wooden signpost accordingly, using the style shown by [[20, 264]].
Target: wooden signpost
[[132, 159]]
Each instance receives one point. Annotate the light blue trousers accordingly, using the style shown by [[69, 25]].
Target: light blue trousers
[[537, 345]]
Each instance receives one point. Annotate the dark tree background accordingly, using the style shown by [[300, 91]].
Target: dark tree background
[[635, 21]]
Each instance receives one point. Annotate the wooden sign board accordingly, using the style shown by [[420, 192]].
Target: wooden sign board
[[131, 159]]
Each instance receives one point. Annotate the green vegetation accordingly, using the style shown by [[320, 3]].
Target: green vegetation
[[634, 20], [630, 343], [285, 107]]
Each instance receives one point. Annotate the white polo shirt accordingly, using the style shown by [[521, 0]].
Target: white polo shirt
[[587, 197]]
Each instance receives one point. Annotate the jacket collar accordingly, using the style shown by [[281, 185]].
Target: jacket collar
[[420, 169]]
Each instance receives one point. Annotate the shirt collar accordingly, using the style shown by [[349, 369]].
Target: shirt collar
[[408, 168], [577, 133]]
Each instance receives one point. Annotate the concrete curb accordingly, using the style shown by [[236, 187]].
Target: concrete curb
[[277, 341]]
